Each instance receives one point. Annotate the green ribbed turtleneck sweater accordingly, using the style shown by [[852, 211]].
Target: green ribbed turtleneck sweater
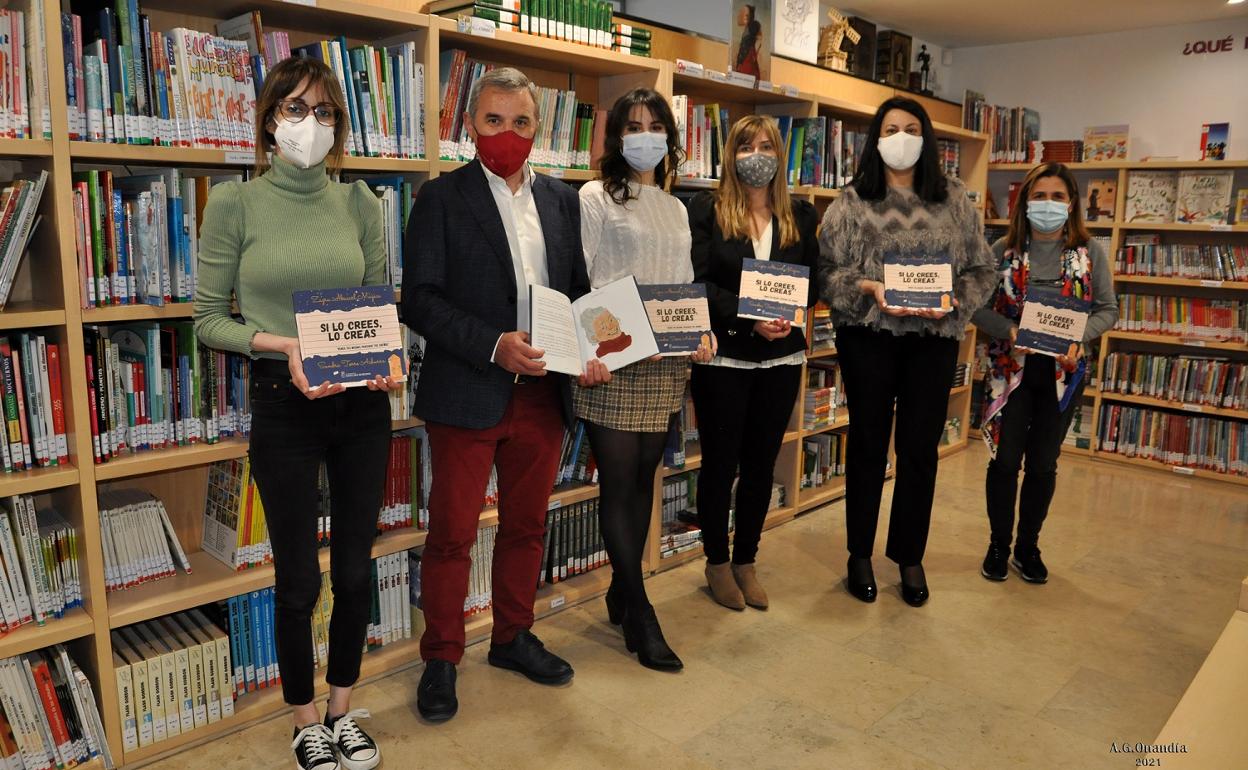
[[260, 241]]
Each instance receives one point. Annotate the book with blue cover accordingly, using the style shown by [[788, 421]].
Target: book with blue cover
[[679, 316], [773, 290], [1051, 322], [921, 282], [349, 336]]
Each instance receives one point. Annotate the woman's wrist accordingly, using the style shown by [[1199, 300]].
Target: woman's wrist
[[264, 342]]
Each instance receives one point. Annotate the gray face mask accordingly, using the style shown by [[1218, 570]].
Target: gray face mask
[[757, 170]]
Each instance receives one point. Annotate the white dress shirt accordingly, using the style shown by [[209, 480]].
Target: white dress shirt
[[518, 211], [647, 237]]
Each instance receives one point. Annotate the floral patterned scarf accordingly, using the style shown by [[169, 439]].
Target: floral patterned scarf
[[1006, 364]]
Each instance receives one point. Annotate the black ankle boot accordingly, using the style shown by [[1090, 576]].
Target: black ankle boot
[[860, 578], [615, 605], [643, 636], [914, 585]]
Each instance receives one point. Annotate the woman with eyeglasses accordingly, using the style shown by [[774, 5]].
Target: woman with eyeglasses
[[293, 227]]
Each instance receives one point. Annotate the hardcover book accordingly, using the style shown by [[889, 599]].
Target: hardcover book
[[1213, 140], [1098, 206], [349, 336], [1151, 196], [1052, 323], [918, 281], [772, 290], [1102, 143], [1204, 197], [679, 316]]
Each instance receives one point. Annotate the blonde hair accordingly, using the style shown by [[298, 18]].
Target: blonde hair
[[732, 210]]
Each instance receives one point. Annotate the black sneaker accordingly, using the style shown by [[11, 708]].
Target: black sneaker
[[314, 748], [435, 696], [996, 562], [1030, 567], [356, 750]]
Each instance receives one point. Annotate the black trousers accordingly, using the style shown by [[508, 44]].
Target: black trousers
[[742, 416], [911, 372], [290, 437], [1031, 427]]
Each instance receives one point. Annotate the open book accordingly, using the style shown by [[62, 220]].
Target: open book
[[609, 324]]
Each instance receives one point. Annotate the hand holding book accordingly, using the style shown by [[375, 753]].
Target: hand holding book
[[876, 289]]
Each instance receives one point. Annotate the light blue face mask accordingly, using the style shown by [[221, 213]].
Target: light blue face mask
[[1047, 216]]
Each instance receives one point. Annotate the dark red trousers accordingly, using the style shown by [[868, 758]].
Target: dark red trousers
[[525, 446]]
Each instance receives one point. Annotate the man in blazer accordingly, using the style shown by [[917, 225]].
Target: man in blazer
[[477, 238]]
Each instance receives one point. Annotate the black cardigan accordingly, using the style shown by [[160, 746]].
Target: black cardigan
[[717, 263]]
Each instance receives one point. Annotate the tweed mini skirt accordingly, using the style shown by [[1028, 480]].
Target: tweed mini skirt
[[640, 397]]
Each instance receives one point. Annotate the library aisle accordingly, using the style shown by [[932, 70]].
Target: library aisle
[[1145, 574]]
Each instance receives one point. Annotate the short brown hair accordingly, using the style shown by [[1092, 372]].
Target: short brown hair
[[278, 84], [1020, 229], [731, 202]]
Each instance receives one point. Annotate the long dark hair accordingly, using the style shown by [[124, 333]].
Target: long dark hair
[[1020, 228], [753, 28], [929, 180], [615, 171]]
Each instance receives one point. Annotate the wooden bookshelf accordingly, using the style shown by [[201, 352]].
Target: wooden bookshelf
[[75, 624], [160, 460], [28, 314], [25, 148], [1161, 403], [37, 480], [1187, 283], [1174, 339]]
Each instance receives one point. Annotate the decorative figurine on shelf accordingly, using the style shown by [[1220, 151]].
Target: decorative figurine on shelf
[[831, 38], [925, 67]]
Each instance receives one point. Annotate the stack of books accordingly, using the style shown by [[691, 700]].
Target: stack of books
[[679, 530], [140, 543], [822, 332], [48, 716], [1055, 151], [629, 39], [39, 575], [33, 388], [573, 543], [19, 218]]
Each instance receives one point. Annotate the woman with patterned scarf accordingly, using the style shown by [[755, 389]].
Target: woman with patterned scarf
[[1032, 396]]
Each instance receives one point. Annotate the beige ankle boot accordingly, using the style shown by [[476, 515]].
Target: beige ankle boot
[[747, 579], [723, 587]]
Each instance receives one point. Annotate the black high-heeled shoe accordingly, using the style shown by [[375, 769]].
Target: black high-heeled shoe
[[860, 579], [643, 636], [615, 605], [914, 590]]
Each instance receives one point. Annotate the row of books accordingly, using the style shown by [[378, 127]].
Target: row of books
[[39, 574], [949, 152], [961, 374], [825, 394], [576, 459], [1010, 129], [140, 543], [234, 530], [1217, 382], [823, 459], [152, 385], [174, 674], [679, 530], [632, 40], [821, 151], [681, 432], [33, 387], [1190, 317], [700, 131], [24, 98], [403, 400], [395, 196], [48, 714], [480, 595], [137, 237], [1207, 443], [19, 217], [1080, 434], [822, 332], [405, 499], [588, 22], [573, 543], [1145, 255], [1183, 197]]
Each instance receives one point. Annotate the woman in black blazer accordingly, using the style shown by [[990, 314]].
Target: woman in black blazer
[[744, 397]]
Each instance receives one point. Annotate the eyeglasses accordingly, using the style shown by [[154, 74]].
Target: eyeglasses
[[295, 110]]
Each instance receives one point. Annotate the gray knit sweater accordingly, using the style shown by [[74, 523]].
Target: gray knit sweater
[[856, 234]]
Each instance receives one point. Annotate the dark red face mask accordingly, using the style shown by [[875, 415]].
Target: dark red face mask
[[503, 153]]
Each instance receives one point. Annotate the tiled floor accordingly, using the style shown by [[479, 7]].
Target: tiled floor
[[1145, 572]]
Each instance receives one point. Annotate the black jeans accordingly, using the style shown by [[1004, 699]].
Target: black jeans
[[290, 437], [1031, 427], [742, 416], [912, 372]]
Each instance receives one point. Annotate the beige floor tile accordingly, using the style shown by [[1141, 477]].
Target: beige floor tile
[[1097, 705]]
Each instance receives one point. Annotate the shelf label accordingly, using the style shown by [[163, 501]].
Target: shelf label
[[688, 68], [765, 85], [1192, 408], [1192, 342], [308, 3], [791, 91], [474, 25], [241, 158], [557, 173], [717, 76], [1183, 471], [741, 79], [1220, 228], [1211, 284], [558, 601]]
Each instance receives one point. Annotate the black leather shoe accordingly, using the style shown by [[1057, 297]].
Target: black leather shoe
[[860, 579], [1029, 566], [996, 563], [643, 636], [914, 585], [527, 655], [615, 605], [435, 697]]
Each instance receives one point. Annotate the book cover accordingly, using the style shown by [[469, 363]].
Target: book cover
[[1052, 323], [1204, 197], [1241, 206], [609, 324], [919, 281], [1151, 196], [1102, 143], [771, 290], [1213, 140], [1098, 204], [349, 336], [750, 49], [679, 316]]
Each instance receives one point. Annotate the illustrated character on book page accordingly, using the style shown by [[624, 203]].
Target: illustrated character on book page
[[602, 327]]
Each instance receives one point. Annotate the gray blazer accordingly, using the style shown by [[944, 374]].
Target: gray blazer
[[459, 290]]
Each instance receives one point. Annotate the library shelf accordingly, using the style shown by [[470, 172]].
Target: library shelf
[[107, 152], [1180, 227], [693, 460], [1076, 450], [822, 353], [1091, 225], [1174, 339], [75, 624], [950, 449], [816, 497], [696, 183], [1196, 283], [684, 557], [1161, 403], [37, 480], [815, 190], [158, 460], [522, 49], [1106, 165], [705, 86], [845, 108], [839, 422], [1133, 165], [574, 493], [179, 311], [959, 390], [791, 435], [1179, 470], [29, 314], [566, 174], [410, 422], [777, 516], [25, 148]]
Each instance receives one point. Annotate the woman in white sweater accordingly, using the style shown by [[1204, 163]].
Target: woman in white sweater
[[631, 226]]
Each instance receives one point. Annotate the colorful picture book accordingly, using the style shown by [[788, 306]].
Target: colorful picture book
[[1214, 138], [349, 336], [1102, 143], [773, 290], [1204, 197], [1100, 200], [679, 317], [609, 324], [1151, 196]]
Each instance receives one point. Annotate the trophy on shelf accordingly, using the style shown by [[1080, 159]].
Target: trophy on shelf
[[830, 39]]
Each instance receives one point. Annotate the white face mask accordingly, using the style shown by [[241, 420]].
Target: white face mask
[[305, 143], [901, 150], [643, 151]]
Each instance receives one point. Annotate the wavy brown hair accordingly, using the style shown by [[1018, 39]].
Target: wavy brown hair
[[1020, 229], [280, 83], [732, 208]]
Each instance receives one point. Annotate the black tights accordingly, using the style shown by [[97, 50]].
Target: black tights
[[626, 464]]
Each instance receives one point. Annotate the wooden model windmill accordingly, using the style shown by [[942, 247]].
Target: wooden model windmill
[[830, 39]]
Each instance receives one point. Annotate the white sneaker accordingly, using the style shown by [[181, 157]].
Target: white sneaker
[[314, 749], [356, 750]]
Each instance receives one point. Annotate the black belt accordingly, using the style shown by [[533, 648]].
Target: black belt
[[270, 367]]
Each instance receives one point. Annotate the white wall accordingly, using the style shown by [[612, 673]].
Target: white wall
[[709, 17], [1139, 77]]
